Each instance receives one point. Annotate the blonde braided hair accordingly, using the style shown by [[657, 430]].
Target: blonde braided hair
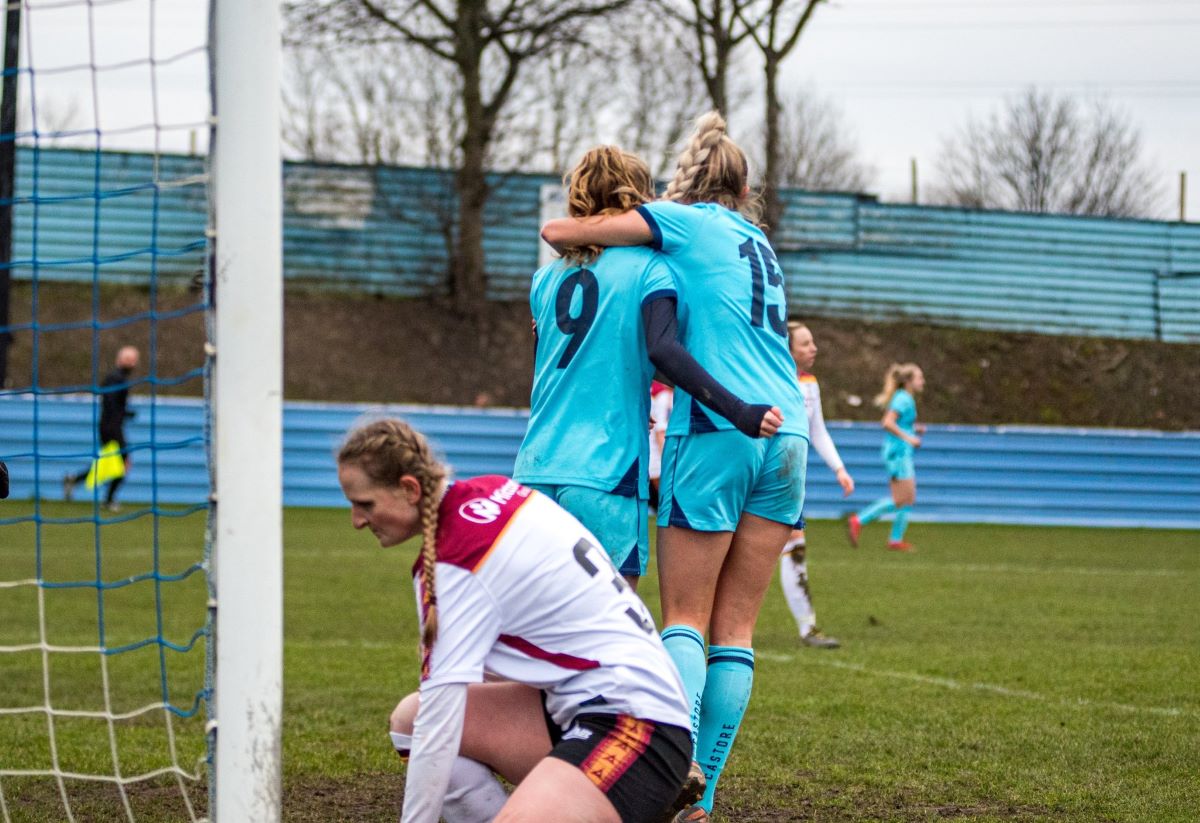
[[713, 169], [386, 450], [606, 180]]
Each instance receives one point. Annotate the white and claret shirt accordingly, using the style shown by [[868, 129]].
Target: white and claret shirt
[[817, 433], [525, 594]]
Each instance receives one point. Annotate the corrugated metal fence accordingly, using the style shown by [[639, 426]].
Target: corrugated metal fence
[[1028, 475], [384, 229]]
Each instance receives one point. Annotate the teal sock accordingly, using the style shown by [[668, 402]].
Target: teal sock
[[900, 523], [877, 509], [726, 695], [685, 645]]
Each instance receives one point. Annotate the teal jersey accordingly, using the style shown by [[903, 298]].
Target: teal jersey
[[590, 407], [905, 407], [732, 311]]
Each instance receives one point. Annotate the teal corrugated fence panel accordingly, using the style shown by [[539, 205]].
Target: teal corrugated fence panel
[[385, 229], [117, 216], [988, 269], [1001, 474], [390, 230]]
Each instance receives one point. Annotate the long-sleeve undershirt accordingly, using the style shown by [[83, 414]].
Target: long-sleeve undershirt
[[437, 735], [670, 357]]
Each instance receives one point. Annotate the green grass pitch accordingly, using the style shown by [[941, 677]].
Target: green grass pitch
[[998, 674]]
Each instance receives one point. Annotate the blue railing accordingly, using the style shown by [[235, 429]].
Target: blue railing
[[1004, 474]]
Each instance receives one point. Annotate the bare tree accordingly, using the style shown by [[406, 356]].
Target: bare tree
[[1043, 153], [487, 42], [376, 104], [775, 27], [659, 87], [554, 113], [816, 150], [717, 29], [639, 91]]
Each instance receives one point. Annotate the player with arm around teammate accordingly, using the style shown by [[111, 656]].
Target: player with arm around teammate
[[900, 385], [727, 502], [605, 319], [793, 564], [591, 723]]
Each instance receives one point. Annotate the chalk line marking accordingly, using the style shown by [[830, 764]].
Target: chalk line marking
[[1008, 568], [989, 688]]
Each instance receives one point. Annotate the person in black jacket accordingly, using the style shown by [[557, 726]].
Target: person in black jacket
[[114, 391], [3, 480]]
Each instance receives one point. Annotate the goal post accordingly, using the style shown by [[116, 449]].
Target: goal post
[[246, 279]]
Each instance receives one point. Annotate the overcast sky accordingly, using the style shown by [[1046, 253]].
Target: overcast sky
[[905, 73]]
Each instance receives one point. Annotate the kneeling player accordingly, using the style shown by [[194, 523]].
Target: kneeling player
[[592, 717]]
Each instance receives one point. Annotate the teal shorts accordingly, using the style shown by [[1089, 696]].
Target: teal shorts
[[710, 480], [899, 463], [621, 524]]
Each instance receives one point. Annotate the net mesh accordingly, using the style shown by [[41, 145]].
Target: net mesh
[[105, 633]]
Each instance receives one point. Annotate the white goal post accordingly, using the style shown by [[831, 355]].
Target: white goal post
[[247, 386]]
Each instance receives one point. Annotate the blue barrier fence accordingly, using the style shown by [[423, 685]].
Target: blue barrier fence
[[1005, 474], [383, 229]]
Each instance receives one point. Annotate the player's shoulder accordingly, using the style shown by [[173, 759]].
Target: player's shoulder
[[806, 378], [472, 516], [552, 270], [627, 262]]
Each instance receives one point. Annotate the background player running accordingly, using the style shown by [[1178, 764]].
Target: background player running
[[900, 385], [603, 317], [114, 411], [592, 718], [793, 564], [728, 502]]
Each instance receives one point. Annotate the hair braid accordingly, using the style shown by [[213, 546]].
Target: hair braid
[[387, 449], [713, 169], [429, 523], [710, 128]]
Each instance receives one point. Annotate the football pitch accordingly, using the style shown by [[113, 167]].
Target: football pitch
[[998, 674]]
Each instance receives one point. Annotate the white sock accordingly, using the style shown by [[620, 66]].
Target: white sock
[[794, 578], [474, 795]]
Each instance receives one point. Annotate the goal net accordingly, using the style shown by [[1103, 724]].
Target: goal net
[[123, 603]]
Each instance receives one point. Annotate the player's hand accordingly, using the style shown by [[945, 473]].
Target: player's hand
[[846, 482], [915, 442], [771, 422], [919, 428]]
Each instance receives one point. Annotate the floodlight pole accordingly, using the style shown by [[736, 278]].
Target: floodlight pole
[[247, 288]]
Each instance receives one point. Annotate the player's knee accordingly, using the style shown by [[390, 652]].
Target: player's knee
[[403, 715]]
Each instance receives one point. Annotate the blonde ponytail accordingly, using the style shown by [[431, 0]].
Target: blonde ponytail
[[897, 376], [386, 450]]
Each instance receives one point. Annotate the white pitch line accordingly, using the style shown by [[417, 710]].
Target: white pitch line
[[342, 644], [990, 688], [1006, 568]]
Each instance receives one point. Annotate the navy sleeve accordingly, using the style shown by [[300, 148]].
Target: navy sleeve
[[670, 357]]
